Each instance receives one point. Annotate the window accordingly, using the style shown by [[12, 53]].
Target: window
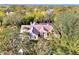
[[26, 28]]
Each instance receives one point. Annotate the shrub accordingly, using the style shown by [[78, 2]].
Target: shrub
[[12, 20], [7, 37], [69, 21], [27, 19], [70, 24]]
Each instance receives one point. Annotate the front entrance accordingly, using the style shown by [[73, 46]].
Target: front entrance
[[43, 35]]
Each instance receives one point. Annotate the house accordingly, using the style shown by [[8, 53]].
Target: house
[[36, 30]]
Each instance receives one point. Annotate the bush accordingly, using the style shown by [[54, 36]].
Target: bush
[[70, 24], [7, 38], [12, 20], [69, 21], [27, 19]]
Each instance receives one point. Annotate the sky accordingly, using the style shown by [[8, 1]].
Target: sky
[[39, 2]]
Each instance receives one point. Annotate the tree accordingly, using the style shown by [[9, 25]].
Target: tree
[[2, 14]]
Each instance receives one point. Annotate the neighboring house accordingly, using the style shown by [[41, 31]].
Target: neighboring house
[[9, 12], [50, 11], [37, 30]]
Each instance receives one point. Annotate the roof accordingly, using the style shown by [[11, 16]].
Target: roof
[[25, 28], [48, 27], [41, 27], [38, 26]]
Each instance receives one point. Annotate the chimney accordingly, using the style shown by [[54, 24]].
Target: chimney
[[32, 23]]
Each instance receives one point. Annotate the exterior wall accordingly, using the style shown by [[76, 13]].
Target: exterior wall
[[45, 35], [35, 31], [33, 36]]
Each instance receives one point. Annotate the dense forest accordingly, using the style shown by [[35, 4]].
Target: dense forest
[[64, 18]]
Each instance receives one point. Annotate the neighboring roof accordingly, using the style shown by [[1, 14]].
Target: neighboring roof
[[8, 11]]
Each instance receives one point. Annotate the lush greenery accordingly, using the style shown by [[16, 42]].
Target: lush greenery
[[64, 18]]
